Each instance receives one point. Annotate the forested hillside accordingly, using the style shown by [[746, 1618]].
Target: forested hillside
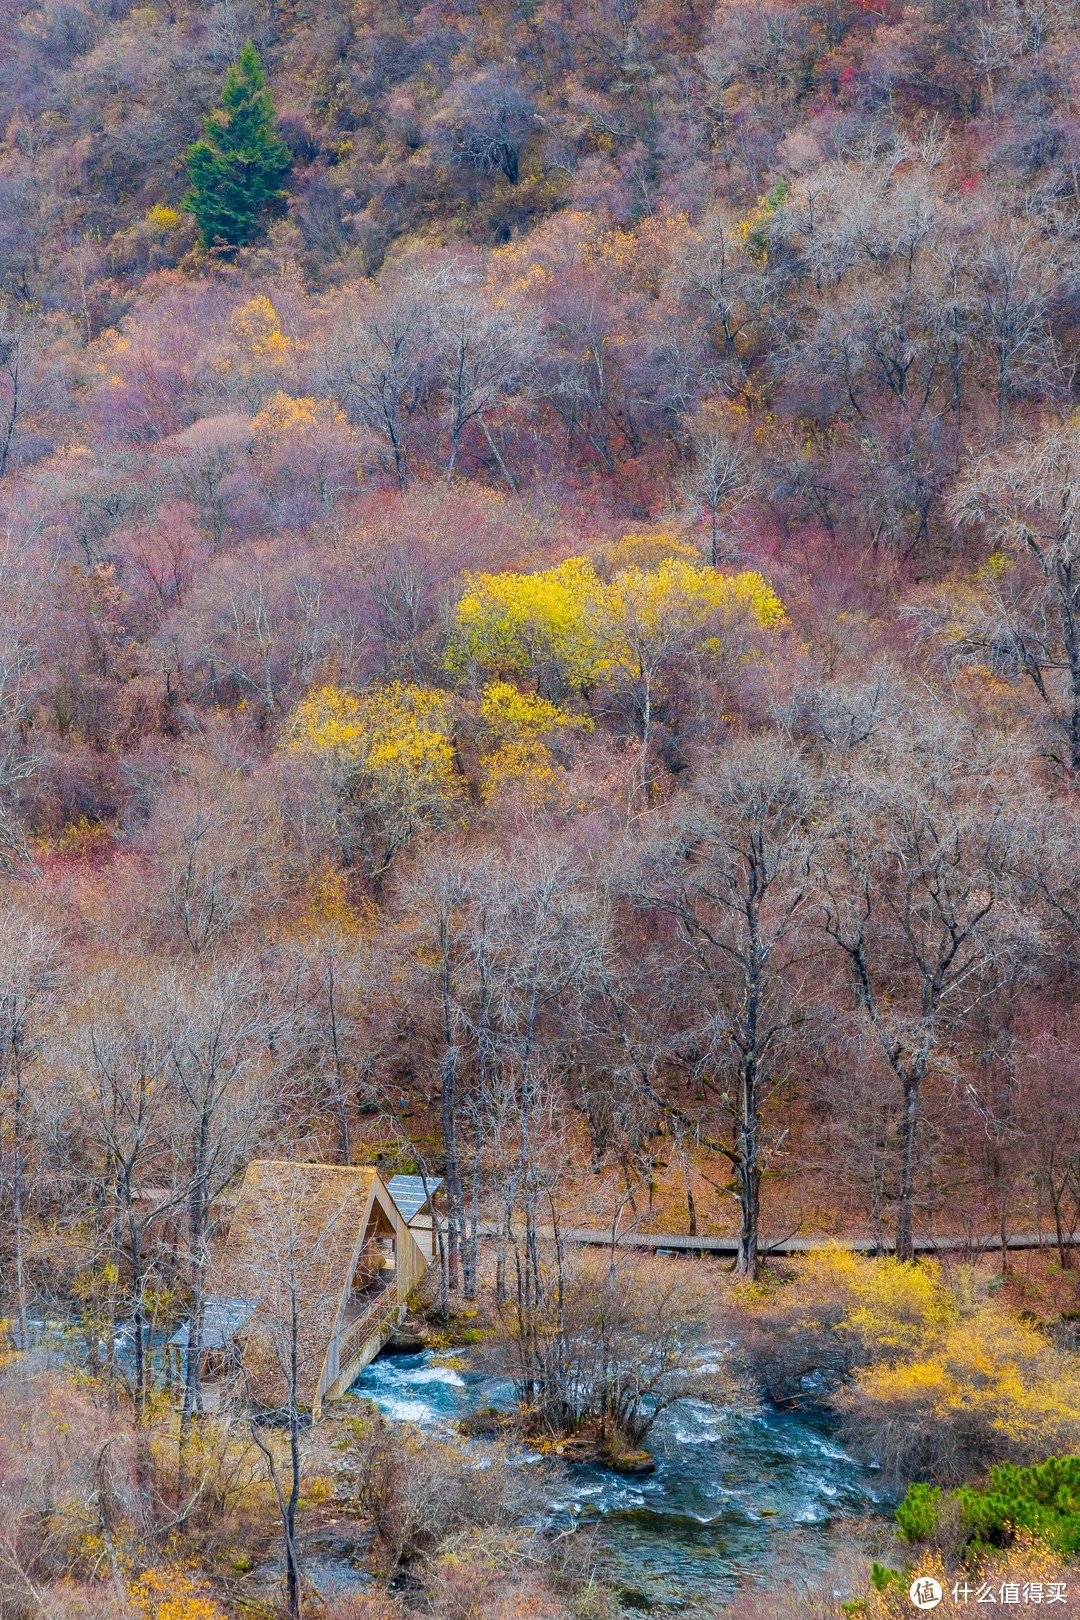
[[539, 645]]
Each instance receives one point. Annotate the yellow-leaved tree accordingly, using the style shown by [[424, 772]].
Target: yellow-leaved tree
[[172, 1592], [258, 353], [944, 1379], [988, 1388], [287, 416], [538, 627], [568, 631], [519, 759], [565, 628], [387, 752], [651, 618]]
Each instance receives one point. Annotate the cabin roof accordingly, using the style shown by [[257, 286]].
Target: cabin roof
[[295, 1233], [222, 1320], [288, 1259], [411, 1194]]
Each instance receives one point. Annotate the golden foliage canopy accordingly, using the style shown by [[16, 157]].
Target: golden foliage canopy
[[566, 628], [258, 327], [521, 761], [389, 753], [287, 416], [171, 1592], [530, 625], [395, 733], [932, 1352]]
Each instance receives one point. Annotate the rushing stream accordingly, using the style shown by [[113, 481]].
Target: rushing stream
[[737, 1494]]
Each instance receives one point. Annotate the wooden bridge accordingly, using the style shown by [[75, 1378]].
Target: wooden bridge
[[314, 1276], [358, 1342], [682, 1243]]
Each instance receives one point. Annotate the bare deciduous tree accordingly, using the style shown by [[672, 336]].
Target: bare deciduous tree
[[120, 1058], [377, 361], [212, 843], [917, 898], [721, 476], [1027, 498], [285, 1236], [485, 121], [30, 963], [619, 1340], [20, 343], [220, 1029], [25, 568], [732, 872], [481, 356]]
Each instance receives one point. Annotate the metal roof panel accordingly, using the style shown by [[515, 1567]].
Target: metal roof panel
[[222, 1318], [412, 1193]]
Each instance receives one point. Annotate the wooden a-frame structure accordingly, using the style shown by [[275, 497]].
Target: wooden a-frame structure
[[316, 1269]]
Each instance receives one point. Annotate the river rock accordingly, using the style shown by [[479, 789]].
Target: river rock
[[485, 1420], [580, 1448], [633, 1462], [407, 1339]]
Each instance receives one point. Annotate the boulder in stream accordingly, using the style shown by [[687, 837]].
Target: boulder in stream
[[485, 1420], [407, 1339], [632, 1462]]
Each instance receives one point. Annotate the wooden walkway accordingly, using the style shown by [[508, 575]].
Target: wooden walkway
[[681, 1243], [358, 1342]]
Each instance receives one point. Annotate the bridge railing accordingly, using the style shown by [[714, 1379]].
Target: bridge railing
[[379, 1319]]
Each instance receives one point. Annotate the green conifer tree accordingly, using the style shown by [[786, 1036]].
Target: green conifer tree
[[238, 166]]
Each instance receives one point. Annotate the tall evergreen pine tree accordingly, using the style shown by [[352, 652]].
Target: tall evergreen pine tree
[[238, 166]]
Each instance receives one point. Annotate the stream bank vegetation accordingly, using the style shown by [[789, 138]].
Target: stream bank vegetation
[[942, 1382], [600, 1348], [97, 1521], [932, 1372], [935, 1376]]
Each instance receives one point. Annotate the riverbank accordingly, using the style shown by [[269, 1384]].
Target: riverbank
[[739, 1493]]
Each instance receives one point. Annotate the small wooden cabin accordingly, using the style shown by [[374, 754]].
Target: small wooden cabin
[[316, 1253], [223, 1320], [415, 1197]]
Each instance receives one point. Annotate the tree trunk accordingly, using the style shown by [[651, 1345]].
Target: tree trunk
[[292, 1561], [748, 1173], [451, 1164], [691, 1208], [341, 1100], [197, 1222], [138, 1310], [905, 1246], [469, 1267], [17, 1200], [1064, 1249], [1072, 645], [13, 417]]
